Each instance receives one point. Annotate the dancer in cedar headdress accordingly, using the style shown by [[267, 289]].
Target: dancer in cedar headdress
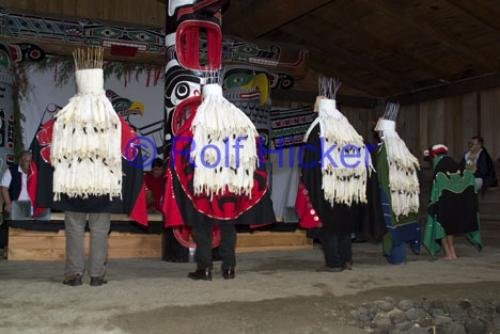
[[79, 169], [335, 168], [453, 207], [397, 174], [215, 179]]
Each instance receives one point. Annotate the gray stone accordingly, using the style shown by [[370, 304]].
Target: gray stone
[[465, 304], [380, 331], [457, 313], [390, 300], [498, 308], [475, 326], [384, 305], [381, 321], [406, 304], [403, 326], [365, 318], [437, 304], [362, 314], [416, 330], [476, 312], [363, 310], [437, 312], [397, 316], [426, 305], [414, 314], [426, 321], [451, 328], [441, 320], [496, 323]]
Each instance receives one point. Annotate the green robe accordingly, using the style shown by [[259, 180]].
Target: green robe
[[456, 183]]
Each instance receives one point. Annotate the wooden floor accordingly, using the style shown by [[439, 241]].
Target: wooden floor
[[48, 246]]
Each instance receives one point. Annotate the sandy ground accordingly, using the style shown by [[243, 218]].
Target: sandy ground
[[274, 292]]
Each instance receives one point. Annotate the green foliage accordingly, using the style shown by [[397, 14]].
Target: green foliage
[[64, 68]]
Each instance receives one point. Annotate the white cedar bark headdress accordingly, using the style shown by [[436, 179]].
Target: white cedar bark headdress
[[86, 140]]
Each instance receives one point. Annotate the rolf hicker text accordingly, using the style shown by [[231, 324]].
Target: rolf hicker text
[[303, 156]]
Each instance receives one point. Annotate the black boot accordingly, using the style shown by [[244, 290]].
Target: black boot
[[348, 265], [201, 274], [98, 281], [228, 273], [74, 280]]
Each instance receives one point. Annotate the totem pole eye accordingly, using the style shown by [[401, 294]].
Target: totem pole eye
[[182, 91]]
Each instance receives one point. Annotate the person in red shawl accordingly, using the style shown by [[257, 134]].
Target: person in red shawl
[[155, 185], [215, 178], [79, 167]]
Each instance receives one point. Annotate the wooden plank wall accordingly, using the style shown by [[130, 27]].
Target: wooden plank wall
[[490, 121], [453, 121], [145, 12]]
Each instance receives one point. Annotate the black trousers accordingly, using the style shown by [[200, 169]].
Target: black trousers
[[337, 248], [4, 233], [202, 234]]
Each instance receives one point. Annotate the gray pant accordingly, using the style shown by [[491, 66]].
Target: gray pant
[[99, 224]]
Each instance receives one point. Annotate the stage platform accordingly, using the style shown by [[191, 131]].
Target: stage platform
[[45, 240]]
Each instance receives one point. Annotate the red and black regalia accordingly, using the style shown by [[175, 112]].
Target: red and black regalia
[[205, 195], [132, 200], [215, 179], [335, 168]]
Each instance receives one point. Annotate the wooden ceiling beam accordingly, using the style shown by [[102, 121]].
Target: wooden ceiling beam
[[261, 17], [404, 16], [318, 64], [456, 88], [488, 16], [370, 39], [310, 37], [329, 67]]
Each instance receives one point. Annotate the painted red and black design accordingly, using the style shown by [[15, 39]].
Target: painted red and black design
[[194, 49]]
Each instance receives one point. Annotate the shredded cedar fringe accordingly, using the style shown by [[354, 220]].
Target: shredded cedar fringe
[[341, 184], [403, 166], [217, 128], [86, 142]]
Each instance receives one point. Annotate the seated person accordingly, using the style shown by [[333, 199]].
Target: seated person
[[155, 185], [477, 160]]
